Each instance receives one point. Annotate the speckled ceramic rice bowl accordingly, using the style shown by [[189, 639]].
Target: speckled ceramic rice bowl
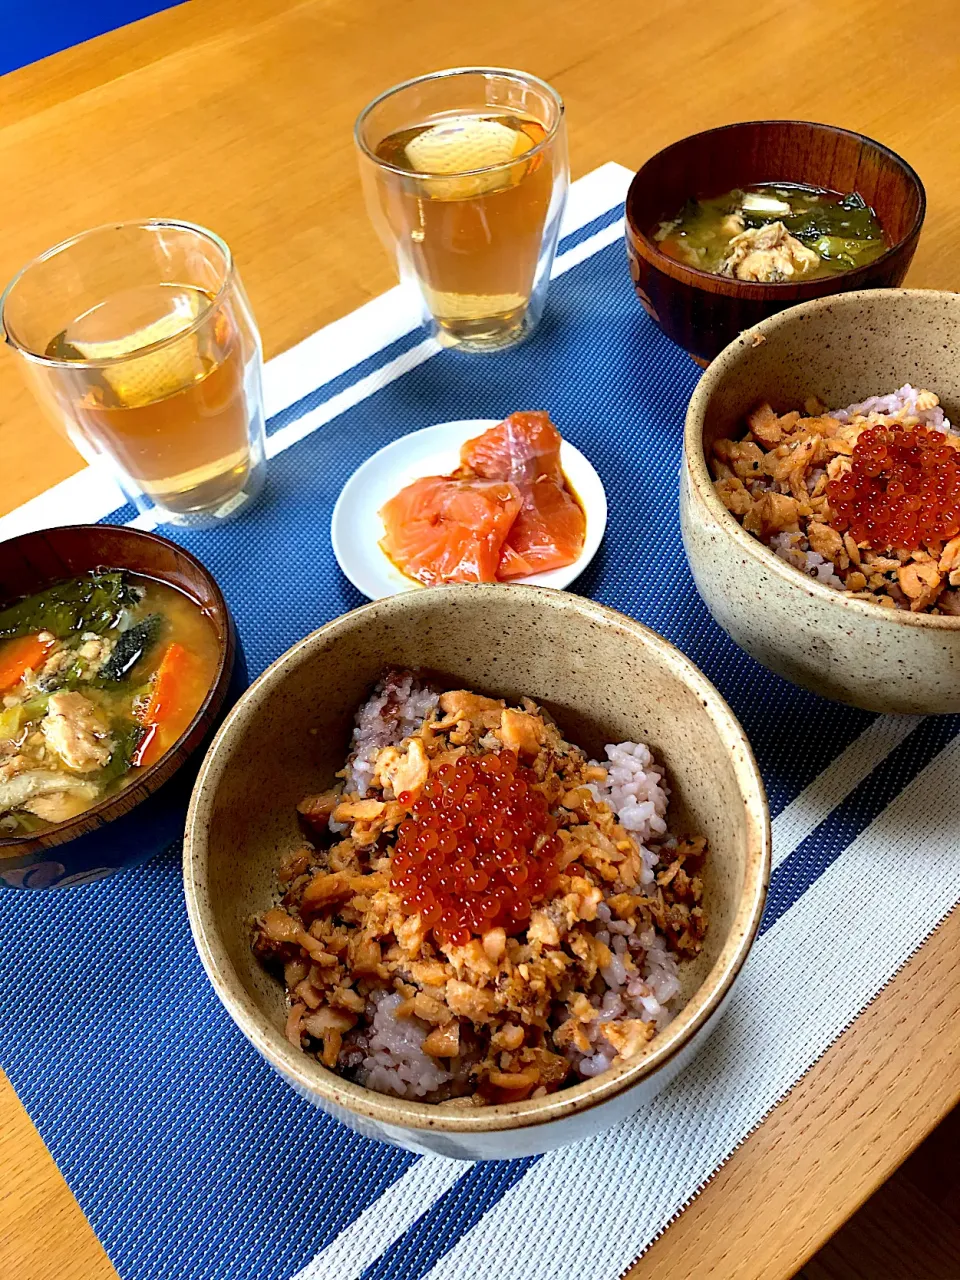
[[602, 679], [839, 643]]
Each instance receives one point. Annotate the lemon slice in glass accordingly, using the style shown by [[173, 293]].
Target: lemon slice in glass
[[460, 144], [144, 379]]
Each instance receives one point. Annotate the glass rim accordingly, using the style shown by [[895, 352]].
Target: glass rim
[[143, 224], [506, 72]]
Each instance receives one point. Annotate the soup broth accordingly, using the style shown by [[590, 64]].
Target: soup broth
[[774, 232], [100, 675]]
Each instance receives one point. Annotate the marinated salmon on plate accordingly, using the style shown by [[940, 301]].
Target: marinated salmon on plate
[[506, 512]]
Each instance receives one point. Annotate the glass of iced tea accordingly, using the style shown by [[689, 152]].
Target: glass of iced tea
[[465, 174], [140, 343]]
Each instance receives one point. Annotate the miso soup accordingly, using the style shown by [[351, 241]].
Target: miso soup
[[99, 676], [774, 233]]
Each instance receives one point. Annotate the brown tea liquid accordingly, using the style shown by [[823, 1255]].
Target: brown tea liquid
[[472, 238], [175, 418]]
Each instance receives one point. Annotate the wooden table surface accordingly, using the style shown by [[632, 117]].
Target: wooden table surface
[[238, 114]]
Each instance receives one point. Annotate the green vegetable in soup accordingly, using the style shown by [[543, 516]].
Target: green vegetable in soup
[[12, 720], [91, 603], [128, 737], [131, 646], [35, 707], [847, 253]]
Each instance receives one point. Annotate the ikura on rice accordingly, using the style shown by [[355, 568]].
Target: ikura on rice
[[482, 914]]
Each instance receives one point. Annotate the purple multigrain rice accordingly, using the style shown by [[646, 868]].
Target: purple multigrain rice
[[397, 708], [795, 549], [895, 402], [636, 792], [392, 1058]]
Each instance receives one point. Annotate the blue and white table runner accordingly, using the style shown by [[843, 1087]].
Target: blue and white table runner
[[191, 1158]]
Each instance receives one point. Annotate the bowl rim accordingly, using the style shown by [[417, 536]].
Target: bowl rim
[[304, 1072], [698, 471], [18, 846], [696, 278]]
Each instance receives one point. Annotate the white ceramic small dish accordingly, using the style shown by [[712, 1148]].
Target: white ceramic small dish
[[356, 527]]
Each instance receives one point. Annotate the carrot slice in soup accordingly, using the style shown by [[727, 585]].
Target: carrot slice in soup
[[17, 656], [173, 704]]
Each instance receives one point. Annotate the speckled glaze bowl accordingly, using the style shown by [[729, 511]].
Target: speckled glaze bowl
[[606, 679], [841, 349]]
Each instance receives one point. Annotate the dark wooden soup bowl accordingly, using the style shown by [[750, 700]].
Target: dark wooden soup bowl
[[703, 312], [132, 827]]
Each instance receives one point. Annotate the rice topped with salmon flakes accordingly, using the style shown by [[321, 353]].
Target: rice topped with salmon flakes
[[481, 913], [864, 499]]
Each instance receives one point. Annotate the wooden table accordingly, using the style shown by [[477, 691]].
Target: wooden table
[[238, 114]]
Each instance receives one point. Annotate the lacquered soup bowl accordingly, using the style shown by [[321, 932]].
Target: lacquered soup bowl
[[138, 823]]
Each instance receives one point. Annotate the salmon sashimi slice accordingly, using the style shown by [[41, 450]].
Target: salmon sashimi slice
[[521, 449], [513, 565], [548, 533], [445, 529]]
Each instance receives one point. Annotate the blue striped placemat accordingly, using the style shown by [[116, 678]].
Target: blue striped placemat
[[190, 1157]]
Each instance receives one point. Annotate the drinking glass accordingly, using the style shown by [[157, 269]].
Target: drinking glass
[[140, 343], [465, 174]]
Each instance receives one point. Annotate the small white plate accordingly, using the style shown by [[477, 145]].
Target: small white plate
[[356, 527]]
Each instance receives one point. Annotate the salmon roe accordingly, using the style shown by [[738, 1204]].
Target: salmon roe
[[903, 490], [478, 849]]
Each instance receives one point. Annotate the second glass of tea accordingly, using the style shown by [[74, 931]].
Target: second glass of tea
[[465, 174], [141, 344]]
